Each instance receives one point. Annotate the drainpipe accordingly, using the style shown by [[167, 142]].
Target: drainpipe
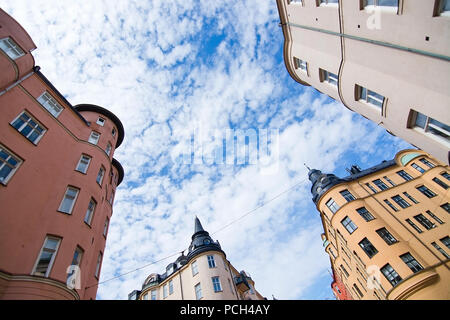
[[18, 81]]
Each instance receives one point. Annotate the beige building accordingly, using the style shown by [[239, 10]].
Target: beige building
[[387, 60], [203, 274], [386, 228]]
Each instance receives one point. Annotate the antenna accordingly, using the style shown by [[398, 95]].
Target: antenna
[[307, 166]]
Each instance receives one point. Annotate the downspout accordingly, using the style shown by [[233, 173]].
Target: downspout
[[17, 82]]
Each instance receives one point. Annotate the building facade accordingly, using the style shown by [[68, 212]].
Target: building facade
[[58, 177], [387, 60], [203, 274], [386, 228]]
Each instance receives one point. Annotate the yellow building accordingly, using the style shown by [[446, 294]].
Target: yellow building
[[386, 228], [388, 60], [203, 274]]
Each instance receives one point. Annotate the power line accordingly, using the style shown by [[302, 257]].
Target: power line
[[222, 228]]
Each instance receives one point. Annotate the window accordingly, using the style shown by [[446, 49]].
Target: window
[[426, 191], [365, 214], [390, 205], [94, 137], [380, 184], [411, 262], [83, 164], [108, 148], [211, 262], [414, 226], [99, 262], [90, 211], [105, 228], [345, 271], [431, 214], [333, 206], [28, 127], [446, 175], [410, 197], [327, 2], [100, 175], [170, 286], [329, 77], [417, 167], [69, 199], [391, 275], [446, 241], [9, 163], [390, 181], [368, 248], [371, 188], [355, 287], [144, 297], [165, 291], [446, 207], [198, 291], [444, 8], [76, 260], [11, 48], [46, 257], [401, 202], [381, 3], [404, 175], [113, 132], [424, 221], [295, 1], [101, 121], [300, 64], [370, 97], [349, 225], [441, 183], [438, 248], [386, 236], [153, 294], [426, 162], [216, 284], [430, 126], [347, 195], [111, 198], [50, 104], [194, 268]]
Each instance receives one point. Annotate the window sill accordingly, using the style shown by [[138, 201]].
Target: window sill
[[66, 213]]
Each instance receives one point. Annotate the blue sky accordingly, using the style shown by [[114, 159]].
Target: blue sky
[[168, 68]]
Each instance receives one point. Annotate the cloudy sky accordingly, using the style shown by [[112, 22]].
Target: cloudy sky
[[169, 69]]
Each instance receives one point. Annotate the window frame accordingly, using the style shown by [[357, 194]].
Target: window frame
[[405, 175], [72, 205], [393, 280], [5, 162], [326, 75], [347, 195], [332, 206], [102, 176], [370, 252], [386, 236], [400, 201], [98, 266], [49, 103], [370, 97], [77, 168], [217, 283], [52, 259], [411, 262], [364, 214], [12, 46], [89, 216], [429, 127], [92, 140], [194, 268], [349, 225], [426, 191], [38, 126], [211, 261], [198, 291], [424, 221]]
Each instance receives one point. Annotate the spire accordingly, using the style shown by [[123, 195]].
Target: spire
[[198, 225]]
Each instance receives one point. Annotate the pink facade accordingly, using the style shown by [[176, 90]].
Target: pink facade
[[56, 183]]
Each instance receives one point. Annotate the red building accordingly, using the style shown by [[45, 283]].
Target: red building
[[57, 180]]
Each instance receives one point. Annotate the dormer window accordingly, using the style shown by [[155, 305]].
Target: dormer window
[[11, 48], [101, 121]]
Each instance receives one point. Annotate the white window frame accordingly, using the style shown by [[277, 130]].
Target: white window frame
[[198, 291], [368, 96], [102, 170], [98, 266], [216, 283], [36, 127], [322, 3], [52, 259], [331, 78], [153, 295], [194, 268], [101, 121], [83, 160], [427, 125], [211, 261], [170, 287], [301, 65], [296, 2], [4, 162], [90, 211], [441, 8], [108, 148], [11, 48], [72, 205], [332, 204], [50, 104], [94, 137]]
